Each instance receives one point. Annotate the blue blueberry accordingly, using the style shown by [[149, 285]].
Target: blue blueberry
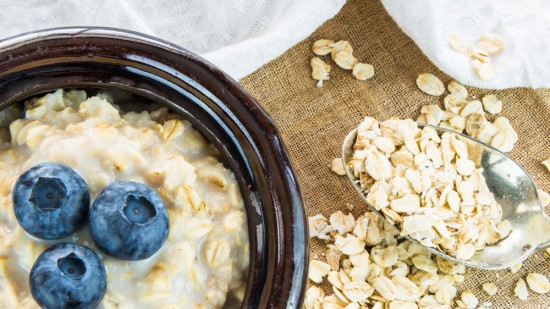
[[128, 220], [50, 200], [68, 276]]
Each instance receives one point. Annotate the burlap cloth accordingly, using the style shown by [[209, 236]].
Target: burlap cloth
[[314, 121]]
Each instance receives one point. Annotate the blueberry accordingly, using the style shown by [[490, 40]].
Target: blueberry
[[128, 220], [68, 276], [50, 200]]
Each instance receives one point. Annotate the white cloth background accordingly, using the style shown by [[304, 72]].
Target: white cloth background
[[239, 36], [524, 26]]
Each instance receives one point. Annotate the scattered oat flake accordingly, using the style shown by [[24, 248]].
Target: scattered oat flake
[[454, 102], [344, 59], [486, 71], [487, 304], [546, 163], [318, 270], [432, 113], [491, 104], [430, 84], [521, 290], [313, 297], [456, 43], [538, 283], [491, 42], [322, 47], [363, 71], [490, 288], [476, 64], [514, 269], [342, 46], [471, 108], [342, 223], [469, 299], [457, 89], [337, 166], [479, 54], [319, 70]]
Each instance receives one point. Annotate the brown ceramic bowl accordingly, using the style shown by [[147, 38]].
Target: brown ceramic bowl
[[38, 62]]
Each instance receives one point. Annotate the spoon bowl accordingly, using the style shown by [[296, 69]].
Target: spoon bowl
[[513, 189]]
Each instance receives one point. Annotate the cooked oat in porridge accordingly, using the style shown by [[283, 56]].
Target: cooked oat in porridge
[[205, 258]]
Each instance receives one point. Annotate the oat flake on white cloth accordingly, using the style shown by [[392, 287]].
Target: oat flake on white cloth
[[524, 26], [239, 36]]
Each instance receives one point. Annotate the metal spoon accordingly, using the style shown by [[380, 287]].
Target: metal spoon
[[513, 189]]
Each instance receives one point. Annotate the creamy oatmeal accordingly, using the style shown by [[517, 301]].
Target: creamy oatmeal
[[205, 259]]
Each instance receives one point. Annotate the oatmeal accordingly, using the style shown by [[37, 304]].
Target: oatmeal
[[205, 258]]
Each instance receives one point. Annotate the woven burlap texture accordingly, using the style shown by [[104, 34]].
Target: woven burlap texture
[[314, 121]]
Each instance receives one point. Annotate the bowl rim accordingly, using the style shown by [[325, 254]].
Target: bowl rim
[[281, 225]]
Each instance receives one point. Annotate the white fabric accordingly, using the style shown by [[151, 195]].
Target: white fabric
[[524, 26], [239, 36]]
